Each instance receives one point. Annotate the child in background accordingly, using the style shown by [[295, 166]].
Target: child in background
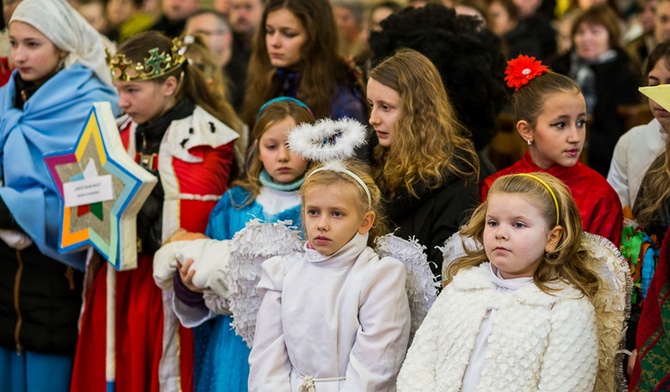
[[514, 315], [551, 117], [335, 317], [269, 193]]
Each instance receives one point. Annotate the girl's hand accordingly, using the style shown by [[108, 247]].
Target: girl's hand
[[186, 274], [183, 235], [631, 362]]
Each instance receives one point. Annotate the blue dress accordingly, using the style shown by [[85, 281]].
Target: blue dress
[[221, 356]]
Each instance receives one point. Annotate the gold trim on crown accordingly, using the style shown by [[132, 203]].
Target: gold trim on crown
[[154, 66]]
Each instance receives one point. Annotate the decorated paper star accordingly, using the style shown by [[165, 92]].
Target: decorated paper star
[[101, 190]]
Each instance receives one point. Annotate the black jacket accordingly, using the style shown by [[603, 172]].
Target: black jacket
[[40, 300], [434, 216]]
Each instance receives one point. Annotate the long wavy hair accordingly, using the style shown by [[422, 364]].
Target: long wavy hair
[[321, 67], [429, 143], [192, 84], [362, 170], [273, 113], [567, 263]]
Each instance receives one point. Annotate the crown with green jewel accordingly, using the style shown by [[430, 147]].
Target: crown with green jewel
[[154, 66]]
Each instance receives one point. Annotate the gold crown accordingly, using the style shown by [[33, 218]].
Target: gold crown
[[154, 66]]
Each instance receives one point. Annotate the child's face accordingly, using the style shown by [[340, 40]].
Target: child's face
[[145, 101], [385, 110], [660, 74], [516, 234], [332, 217], [283, 165], [34, 56], [560, 130]]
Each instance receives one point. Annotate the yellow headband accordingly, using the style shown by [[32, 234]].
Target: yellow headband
[[551, 192]]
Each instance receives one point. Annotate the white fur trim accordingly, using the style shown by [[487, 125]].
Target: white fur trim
[[250, 247]]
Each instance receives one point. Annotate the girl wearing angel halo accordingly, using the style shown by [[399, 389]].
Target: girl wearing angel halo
[[335, 317], [550, 112], [269, 193], [516, 314]]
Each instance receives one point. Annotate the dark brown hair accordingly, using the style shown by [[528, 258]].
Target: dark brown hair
[[321, 67]]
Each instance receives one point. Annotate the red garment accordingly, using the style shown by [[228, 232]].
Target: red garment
[[5, 71], [193, 189], [598, 202], [651, 371]]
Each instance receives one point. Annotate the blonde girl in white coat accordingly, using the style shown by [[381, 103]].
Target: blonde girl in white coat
[[514, 315]]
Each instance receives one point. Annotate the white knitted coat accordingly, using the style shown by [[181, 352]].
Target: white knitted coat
[[539, 342]]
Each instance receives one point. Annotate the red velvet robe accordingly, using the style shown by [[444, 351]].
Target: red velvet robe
[[141, 318], [597, 201]]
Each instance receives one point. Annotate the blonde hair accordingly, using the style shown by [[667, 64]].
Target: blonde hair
[[654, 190], [272, 114], [567, 263], [316, 178], [429, 143]]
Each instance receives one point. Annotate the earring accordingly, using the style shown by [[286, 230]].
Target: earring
[[529, 142]]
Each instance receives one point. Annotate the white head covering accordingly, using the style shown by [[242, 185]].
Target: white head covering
[[68, 30]]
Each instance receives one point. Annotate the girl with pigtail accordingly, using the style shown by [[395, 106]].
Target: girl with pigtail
[[550, 113], [176, 129]]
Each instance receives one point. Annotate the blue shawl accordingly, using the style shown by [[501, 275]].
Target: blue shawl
[[51, 121]]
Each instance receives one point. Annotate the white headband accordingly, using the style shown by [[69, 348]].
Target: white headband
[[338, 166]]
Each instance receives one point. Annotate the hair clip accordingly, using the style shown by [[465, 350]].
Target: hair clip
[[285, 99], [521, 70]]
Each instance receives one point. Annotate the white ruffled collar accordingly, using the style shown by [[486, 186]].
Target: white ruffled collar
[[507, 284], [350, 251]]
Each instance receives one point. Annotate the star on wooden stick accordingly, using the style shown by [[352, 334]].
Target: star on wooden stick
[[101, 189]]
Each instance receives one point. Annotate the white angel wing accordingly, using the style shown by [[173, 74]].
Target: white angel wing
[[454, 247], [612, 305], [420, 284], [250, 247]]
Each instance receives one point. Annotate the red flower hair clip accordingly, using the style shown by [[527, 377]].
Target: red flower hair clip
[[522, 70]]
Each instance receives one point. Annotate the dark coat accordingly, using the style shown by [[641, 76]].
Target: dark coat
[[46, 299], [616, 84], [434, 216]]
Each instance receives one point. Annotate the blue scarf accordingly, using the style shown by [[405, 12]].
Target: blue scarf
[[50, 121]]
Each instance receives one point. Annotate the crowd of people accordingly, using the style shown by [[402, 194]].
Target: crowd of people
[[344, 121]]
